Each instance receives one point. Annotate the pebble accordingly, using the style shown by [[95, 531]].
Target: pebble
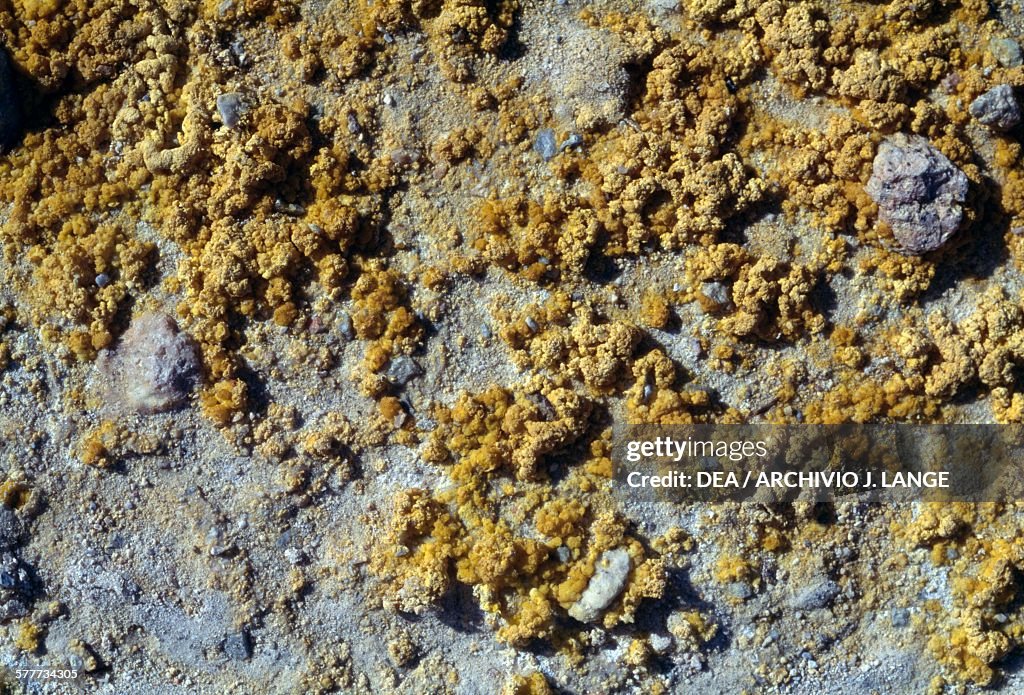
[[950, 82], [740, 590], [10, 106], [997, 108], [102, 280], [1007, 52], [660, 643], [717, 292], [900, 617], [820, 594], [574, 140], [919, 192], [156, 365], [345, 327], [402, 370], [403, 157], [237, 646], [610, 575], [545, 144], [231, 108], [531, 324]]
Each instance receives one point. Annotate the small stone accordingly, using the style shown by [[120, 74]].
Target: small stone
[[919, 192], [345, 327], [545, 144], [609, 580], [403, 157], [402, 370], [102, 280], [547, 411], [820, 594], [10, 106], [155, 366], [563, 554], [574, 140], [1007, 52], [231, 108], [660, 644], [950, 82], [997, 108], [740, 590], [237, 646], [716, 292], [900, 617]]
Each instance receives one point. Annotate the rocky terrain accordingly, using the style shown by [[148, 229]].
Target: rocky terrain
[[317, 318]]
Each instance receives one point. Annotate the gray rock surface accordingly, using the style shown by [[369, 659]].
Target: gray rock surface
[[919, 192], [997, 108]]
